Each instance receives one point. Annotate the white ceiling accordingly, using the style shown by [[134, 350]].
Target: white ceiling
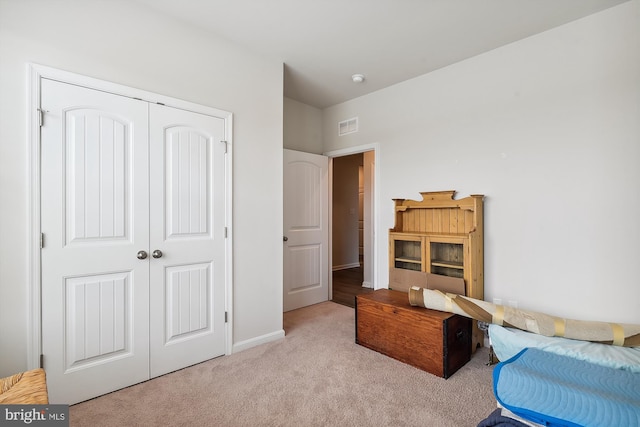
[[323, 42]]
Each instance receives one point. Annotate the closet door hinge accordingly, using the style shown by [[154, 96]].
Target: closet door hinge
[[226, 232], [226, 317], [42, 361], [40, 117], [226, 146], [41, 240]]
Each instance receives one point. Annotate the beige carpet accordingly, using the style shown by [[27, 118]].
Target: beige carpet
[[315, 376]]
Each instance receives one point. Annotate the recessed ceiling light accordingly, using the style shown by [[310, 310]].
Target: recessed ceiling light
[[357, 78]]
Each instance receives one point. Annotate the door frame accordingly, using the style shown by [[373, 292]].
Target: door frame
[[375, 147], [35, 74]]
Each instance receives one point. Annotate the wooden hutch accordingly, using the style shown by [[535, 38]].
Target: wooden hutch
[[440, 235]]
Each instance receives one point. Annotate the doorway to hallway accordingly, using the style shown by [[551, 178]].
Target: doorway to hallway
[[347, 284], [352, 225]]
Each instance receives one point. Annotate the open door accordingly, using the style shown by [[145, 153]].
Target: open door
[[306, 228]]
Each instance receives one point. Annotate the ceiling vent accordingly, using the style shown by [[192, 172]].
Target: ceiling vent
[[348, 126]]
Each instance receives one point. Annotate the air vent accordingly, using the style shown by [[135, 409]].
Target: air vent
[[348, 126]]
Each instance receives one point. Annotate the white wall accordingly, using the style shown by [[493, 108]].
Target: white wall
[[302, 127], [548, 128], [122, 42]]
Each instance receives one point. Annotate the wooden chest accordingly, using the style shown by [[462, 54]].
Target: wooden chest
[[434, 341]]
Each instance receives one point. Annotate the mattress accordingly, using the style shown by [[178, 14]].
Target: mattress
[[556, 390], [507, 342]]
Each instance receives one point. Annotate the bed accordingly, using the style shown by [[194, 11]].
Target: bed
[[553, 381]]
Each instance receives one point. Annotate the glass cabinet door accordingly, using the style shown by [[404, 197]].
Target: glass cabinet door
[[407, 254], [447, 259]]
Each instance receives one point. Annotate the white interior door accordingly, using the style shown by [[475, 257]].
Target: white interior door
[[188, 228], [133, 262], [95, 218], [306, 228]]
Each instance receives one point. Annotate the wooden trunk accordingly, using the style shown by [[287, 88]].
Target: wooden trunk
[[434, 341]]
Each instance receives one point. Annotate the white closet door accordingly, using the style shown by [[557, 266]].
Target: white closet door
[[188, 227], [133, 265], [95, 218]]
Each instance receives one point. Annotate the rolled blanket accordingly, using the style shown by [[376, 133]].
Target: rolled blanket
[[602, 332]]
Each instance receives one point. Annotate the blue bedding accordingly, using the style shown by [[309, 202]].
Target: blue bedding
[[555, 390]]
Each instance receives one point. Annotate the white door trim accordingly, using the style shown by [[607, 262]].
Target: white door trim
[[375, 147], [36, 73]]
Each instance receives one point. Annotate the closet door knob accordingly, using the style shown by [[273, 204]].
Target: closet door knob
[[157, 253], [141, 254], [285, 238]]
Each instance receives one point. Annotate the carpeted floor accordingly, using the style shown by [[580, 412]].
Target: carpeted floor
[[315, 376]]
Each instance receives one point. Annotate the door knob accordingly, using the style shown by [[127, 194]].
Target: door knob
[[285, 238], [157, 253], [142, 255]]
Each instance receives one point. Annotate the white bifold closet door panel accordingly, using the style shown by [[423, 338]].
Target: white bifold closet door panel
[[133, 224], [187, 226]]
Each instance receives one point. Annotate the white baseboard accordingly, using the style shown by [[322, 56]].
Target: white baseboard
[[345, 266], [367, 285], [263, 339]]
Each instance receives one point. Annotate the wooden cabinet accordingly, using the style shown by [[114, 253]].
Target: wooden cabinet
[[441, 254], [441, 235]]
